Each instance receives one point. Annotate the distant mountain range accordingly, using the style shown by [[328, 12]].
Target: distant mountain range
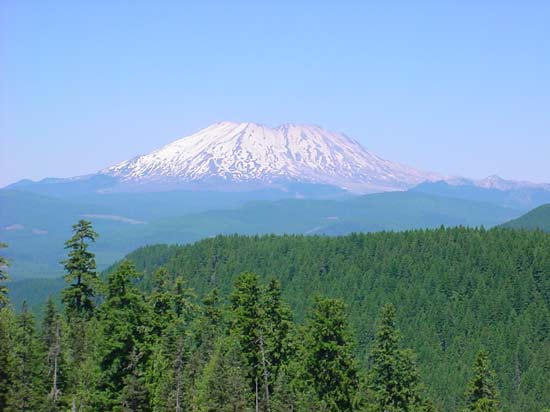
[[245, 156], [232, 156], [245, 178]]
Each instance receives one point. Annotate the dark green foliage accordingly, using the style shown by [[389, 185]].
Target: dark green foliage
[[455, 291], [124, 327], [224, 385], [394, 381], [151, 345], [247, 324], [482, 394], [7, 354], [261, 323], [329, 362], [27, 380], [184, 217], [54, 357], [80, 267]]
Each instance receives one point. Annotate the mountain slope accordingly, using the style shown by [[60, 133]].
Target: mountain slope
[[250, 153], [456, 291], [538, 218], [36, 226], [493, 189]]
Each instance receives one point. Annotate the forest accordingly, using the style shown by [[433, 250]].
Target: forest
[[451, 319]]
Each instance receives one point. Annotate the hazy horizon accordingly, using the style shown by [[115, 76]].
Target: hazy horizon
[[461, 90]]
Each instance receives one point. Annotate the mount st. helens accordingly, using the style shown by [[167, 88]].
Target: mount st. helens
[[243, 154]]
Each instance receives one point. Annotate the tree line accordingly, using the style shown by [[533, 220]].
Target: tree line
[[125, 343]]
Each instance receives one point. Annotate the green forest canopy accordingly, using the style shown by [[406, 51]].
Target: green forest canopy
[[455, 292]]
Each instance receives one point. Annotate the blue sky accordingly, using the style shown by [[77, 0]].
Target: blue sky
[[460, 88]]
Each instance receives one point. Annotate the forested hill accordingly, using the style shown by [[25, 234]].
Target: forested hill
[[538, 218], [455, 291]]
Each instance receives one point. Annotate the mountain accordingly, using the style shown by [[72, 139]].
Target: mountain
[[240, 154], [36, 226], [493, 189], [538, 218]]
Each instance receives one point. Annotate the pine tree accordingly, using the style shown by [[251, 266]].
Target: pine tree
[[80, 267], [124, 327], [223, 386], [171, 310], [481, 395], [330, 364], [134, 395], [78, 300], [54, 360], [248, 327], [26, 391], [278, 319], [3, 278], [394, 381], [7, 354]]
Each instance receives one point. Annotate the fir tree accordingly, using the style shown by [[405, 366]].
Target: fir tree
[[134, 394], [81, 274], [330, 364], [7, 354], [248, 326], [278, 325], [394, 381], [26, 389], [481, 395], [54, 360], [124, 327], [171, 310], [223, 386]]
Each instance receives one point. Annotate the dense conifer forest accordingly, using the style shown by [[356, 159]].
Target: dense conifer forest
[[428, 320]]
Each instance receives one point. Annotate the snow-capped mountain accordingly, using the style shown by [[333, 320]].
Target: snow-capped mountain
[[241, 153]]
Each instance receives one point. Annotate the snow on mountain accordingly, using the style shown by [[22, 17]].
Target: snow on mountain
[[496, 182], [253, 153]]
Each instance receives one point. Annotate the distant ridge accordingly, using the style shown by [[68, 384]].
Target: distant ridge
[[538, 218]]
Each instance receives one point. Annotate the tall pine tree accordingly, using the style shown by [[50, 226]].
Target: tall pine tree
[[123, 352], [394, 383], [329, 363], [54, 360], [80, 267], [481, 395], [8, 343], [25, 393]]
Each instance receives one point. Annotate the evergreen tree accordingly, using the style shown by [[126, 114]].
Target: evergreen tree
[[223, 386], [330, 364], [7, 354], [78, 300], [122, 350], [54, 360], [278, 319], [394, 381], [248, 327], [3, 278], [26, 389], [171, 311], [80, 267], [481, 395], [134, 395]]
